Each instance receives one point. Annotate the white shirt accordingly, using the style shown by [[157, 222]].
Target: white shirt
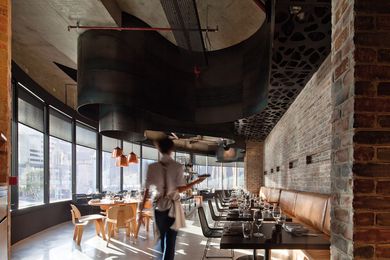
[[174, 177]]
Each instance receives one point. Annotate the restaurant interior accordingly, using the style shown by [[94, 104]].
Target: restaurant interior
[[282, 106]]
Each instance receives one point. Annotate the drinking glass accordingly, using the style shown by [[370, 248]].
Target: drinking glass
[[276, 213], [246, 229], [266, 207], [258, 219]]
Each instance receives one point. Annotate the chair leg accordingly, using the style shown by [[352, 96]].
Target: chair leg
[[75, 232], [97, 228], [79, 234], [109, 232], [147, 224]]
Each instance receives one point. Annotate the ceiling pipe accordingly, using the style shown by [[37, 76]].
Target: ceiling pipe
[[113, 28]]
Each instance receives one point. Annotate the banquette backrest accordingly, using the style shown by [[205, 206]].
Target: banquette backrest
[[273, 195], [310, 208], [287, 201]]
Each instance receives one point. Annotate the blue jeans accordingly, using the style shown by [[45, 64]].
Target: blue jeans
[[167, 235]]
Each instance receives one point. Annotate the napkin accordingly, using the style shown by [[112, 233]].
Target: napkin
[[295, 228]]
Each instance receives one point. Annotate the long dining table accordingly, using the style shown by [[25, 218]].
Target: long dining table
[[232, 238]]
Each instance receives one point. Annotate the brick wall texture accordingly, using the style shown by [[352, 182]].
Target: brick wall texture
[[5, 89], [342, 129], [342, 119], [304, 130], [371, 140], [253, 166]]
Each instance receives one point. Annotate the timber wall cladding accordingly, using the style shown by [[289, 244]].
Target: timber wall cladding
[[303, 131]]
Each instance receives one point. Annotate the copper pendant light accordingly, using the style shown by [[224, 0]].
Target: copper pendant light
[[121, 161], [117, 152], [132, 158]]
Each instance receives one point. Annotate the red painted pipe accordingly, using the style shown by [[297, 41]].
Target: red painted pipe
[[139, 28]]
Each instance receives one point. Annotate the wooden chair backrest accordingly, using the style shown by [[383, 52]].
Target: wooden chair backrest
[[127, 212], [74, 220], [76, 211], [148, 204], [112, 213]]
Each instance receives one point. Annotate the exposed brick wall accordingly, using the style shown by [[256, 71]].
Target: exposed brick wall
[[5, 97], [304, 130], [253, 166], [342, 129], [371, 168], [5, 89]]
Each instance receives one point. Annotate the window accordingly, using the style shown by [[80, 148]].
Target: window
[[240, 175], [149, 155], [214, 168], [60, 170], [111, 174], [60, 156], [85, 170], [30, 166], [30, 150], [200, 167], [229, 174], [85, 159], [131, 174], [182, 158]]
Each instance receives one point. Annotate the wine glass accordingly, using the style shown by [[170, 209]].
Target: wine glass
[[276, 213], [258, 219]]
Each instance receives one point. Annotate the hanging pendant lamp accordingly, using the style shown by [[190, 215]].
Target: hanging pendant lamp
[[121, 161], [117, 152], [132, 158]]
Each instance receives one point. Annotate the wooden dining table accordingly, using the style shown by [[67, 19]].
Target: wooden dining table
[[106, 204], [232, 238]]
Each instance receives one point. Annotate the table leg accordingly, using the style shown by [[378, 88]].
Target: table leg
[[254, 254], [102, 230]]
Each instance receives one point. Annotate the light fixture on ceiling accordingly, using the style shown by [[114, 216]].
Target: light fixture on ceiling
[[121, 161], [132, 157], [117, 152]]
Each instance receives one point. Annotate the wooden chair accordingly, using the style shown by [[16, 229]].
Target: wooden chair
[[146, 216], [80, 221], [119, 217]]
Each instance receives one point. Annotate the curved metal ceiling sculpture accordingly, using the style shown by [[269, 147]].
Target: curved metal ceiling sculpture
[[132, 81]]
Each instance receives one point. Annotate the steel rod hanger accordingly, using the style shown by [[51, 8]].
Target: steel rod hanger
[[139, 28]]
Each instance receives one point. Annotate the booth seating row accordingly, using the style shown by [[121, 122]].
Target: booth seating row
[[311, 209]]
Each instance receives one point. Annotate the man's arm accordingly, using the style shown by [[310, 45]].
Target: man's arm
[[189, 185]]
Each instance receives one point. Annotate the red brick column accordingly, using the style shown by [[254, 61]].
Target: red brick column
[[371, 169], [5, 86], [5, 97], [254, 166], [361, 129]]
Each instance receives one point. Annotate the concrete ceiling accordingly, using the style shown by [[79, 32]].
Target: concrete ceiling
[[236, 20], [41, 37]]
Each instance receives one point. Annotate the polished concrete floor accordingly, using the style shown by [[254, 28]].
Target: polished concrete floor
[[56, 243]]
